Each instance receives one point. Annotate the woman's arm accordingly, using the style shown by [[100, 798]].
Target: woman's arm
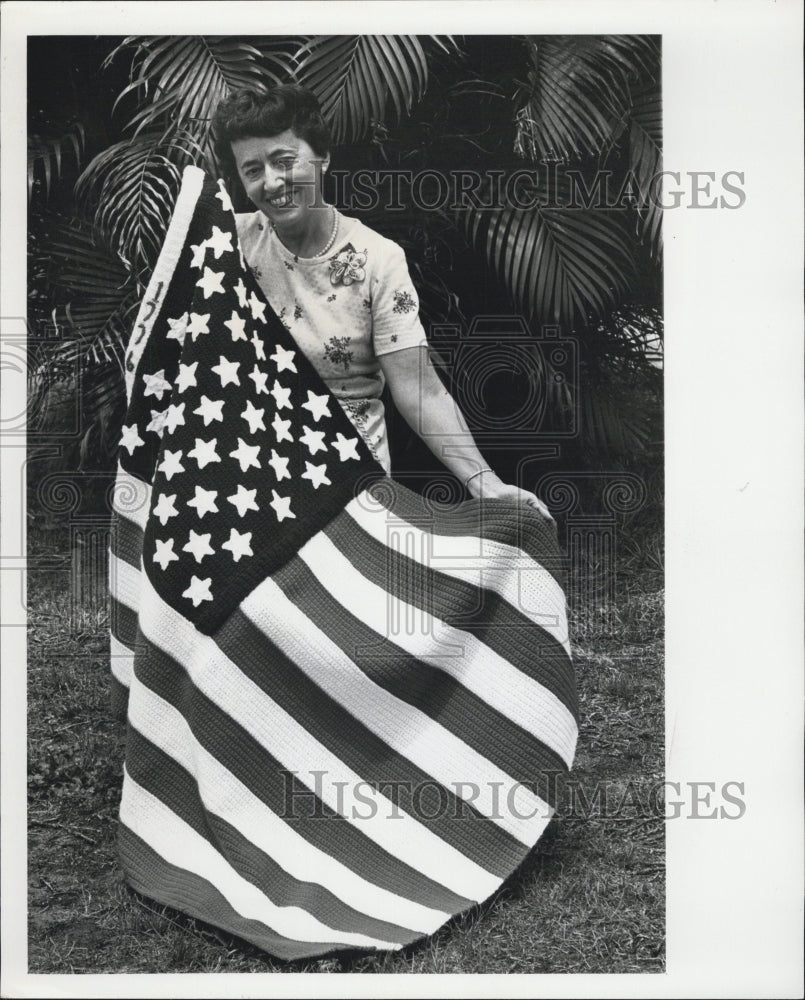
[[431, 411]]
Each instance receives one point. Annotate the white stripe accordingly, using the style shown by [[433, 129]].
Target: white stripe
[[131, 498], [477, 560], [297, 750], [125, 582], [406, 729], [179, 845], [459, 654], [122, 660], [223, 794], [175, 239]]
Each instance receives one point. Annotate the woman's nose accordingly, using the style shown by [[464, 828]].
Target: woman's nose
[[273, 180]]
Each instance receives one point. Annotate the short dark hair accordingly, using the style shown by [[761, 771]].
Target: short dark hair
[[248, 113]]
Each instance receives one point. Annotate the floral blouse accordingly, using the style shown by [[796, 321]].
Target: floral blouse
[[344, 310]]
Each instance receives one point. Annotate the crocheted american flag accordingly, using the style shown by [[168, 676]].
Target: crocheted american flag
[[347, 707]]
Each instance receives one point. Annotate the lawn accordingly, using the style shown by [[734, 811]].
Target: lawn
[[589, 898]]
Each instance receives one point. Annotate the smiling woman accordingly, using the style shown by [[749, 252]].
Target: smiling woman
[[341, 289]]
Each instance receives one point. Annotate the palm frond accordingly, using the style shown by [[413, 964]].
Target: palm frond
[[645, 156], [355, 76], [613, 421], [179, 80], [46, 147], [577, 92], [132, 187], [97, 295], [559, 265]]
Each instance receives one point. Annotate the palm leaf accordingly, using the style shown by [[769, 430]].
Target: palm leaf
[[46, 146], [132, 187], [180, 79], [354, 76], [612, 419], [645, 155], [577, 92], [559, 265], [97, 296]]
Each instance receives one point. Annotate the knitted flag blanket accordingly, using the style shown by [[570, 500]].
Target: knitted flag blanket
[[347, 707]]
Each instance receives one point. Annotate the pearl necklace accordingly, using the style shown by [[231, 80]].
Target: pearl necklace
[[325, 248], [330, 242]]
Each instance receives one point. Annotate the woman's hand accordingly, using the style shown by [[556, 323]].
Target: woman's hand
[[489, 486], [426, 405]]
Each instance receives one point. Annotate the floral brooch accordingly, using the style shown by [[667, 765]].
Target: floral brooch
[[347, 266]]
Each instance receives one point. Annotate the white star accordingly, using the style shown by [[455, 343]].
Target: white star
[[227, 371], [171, 464], [198, 324], [220, 242], [223, 195], [259, 347], [259, 380], [346, 447], [130, 439], [281, 505], [178, 328], [210, 409], [237, 326], [254, 417], [284, 359], [157, 424], [199, 545], [244, 499], [211, 281], [164, 554], [317, 474], [186, 376], [165, 508], [281, 395], [204, 501], [199, 254], [240, 291], [281, 428], [156, 385], [317, 406], [246, 454], [279, 465], [257, 307], [239, 545], [204, 452], [174, 416], [314, 440], [198, 591]]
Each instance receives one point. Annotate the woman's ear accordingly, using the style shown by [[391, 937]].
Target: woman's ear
[[325, 163]]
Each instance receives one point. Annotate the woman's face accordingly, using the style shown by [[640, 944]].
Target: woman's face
[[281, 176]]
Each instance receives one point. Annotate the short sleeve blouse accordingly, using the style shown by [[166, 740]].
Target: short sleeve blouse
[[345, 309]]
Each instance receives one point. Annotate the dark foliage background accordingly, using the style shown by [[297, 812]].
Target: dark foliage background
[[112, 121]]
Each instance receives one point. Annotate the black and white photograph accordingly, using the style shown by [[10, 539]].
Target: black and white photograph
[[358, 373]]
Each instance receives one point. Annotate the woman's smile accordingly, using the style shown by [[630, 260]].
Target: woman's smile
[[283, 200]]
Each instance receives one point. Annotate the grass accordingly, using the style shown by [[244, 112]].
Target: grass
[[589, 898]]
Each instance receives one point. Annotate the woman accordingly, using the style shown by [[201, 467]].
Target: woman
[[341, 289]]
